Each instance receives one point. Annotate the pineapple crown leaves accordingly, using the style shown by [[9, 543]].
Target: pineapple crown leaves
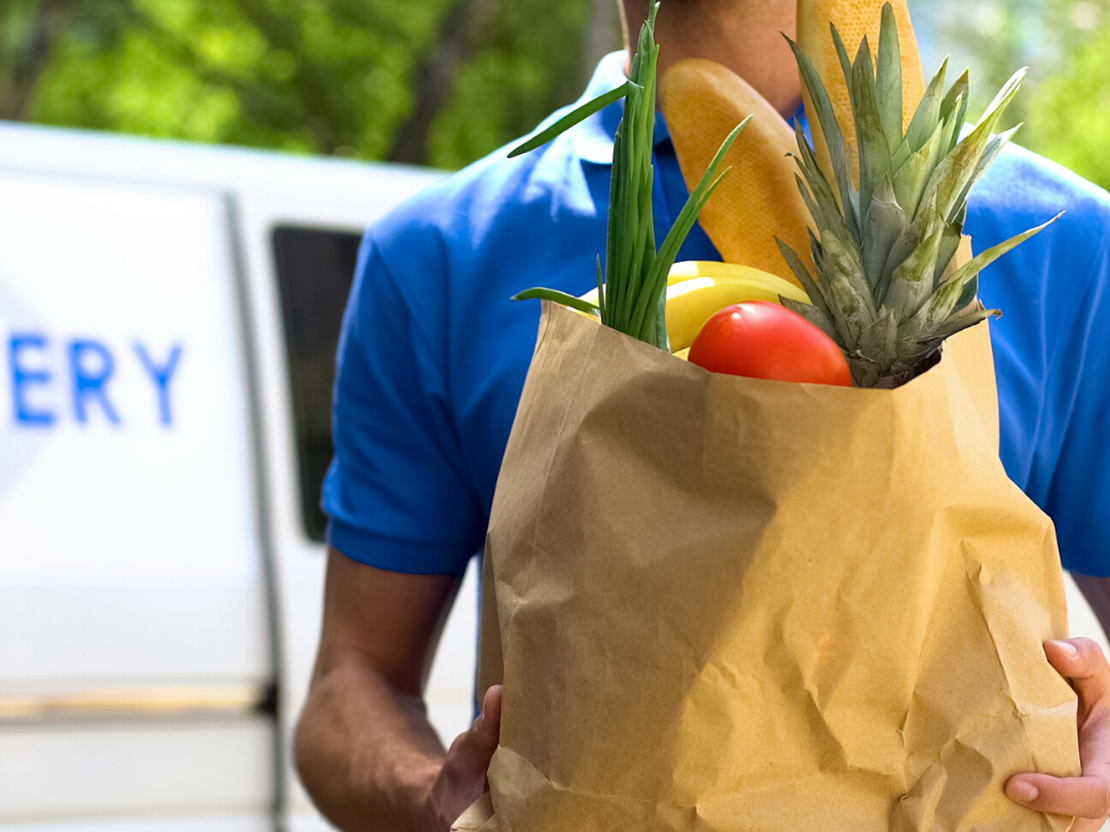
[[632, 290], [886, 288]]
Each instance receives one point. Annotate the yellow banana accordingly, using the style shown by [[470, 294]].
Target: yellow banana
[[696, 289], [694, 301], [711, 268]]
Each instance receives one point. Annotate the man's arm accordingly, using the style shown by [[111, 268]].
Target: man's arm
[[364, 748]]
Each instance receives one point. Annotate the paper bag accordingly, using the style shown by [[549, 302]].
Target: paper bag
[[732, 604]]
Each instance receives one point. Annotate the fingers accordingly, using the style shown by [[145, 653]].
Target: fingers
[[1081, 661], [1086, 797], [486, 729], [462, 780], [471, 752], [1080, 797]]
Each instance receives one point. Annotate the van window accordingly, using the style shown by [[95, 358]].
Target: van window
[[314, 268]]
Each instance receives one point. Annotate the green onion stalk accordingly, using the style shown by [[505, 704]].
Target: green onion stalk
[[632, 291]]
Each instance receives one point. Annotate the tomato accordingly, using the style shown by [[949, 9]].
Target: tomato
[[761, 339]]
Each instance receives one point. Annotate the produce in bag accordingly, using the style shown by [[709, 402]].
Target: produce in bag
[[722, 603], [761, 339], [887, 214], [696, 290], [889, 285]]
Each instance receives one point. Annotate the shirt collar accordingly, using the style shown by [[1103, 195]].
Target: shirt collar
[[593, 138]]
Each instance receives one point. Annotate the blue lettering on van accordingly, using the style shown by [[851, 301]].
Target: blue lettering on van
[[25, 378], [91, 366], [90, 377], [161, 375]]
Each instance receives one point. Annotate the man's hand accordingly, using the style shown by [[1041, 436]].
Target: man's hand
[[1087, 798], [462, 780], [364, 748]]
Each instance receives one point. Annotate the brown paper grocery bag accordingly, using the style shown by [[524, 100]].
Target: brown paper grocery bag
[[733, 604]]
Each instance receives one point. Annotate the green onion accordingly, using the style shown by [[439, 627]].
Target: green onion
[[632, 295]]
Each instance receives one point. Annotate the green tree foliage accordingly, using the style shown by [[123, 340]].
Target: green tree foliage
[[29, 34], [1071, 122], [988, 37], [1065, 104], [445, 81], [520, 75], [424, 81]]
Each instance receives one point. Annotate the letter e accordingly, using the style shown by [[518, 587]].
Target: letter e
[[23, 378]]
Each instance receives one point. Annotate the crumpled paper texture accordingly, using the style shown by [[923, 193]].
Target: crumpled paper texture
[[722, 604]]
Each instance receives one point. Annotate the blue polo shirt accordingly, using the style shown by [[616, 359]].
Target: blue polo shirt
[[433, 354]]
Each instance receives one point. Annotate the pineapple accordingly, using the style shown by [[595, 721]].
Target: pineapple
[[889, 217]]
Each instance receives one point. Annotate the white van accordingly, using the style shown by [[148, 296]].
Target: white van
[[168, 320]]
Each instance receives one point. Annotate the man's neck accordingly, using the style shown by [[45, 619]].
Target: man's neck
[[744, 35]]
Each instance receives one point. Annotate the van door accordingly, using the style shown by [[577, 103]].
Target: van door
[[136, 652]]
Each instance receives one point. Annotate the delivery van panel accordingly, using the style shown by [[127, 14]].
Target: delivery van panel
[[57, 636], [215, 823], [136, 657], [325, 192], [124, 416], [163, 769], [269, 197]]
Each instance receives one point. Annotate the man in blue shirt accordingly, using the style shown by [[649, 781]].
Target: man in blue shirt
[[433, 357]]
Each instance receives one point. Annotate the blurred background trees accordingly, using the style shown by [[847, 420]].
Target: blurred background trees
[[424, 81], [443, 82], [1065, 104]]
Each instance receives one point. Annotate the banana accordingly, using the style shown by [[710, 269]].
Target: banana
[[696, 289], [711, 268], [694, 301]]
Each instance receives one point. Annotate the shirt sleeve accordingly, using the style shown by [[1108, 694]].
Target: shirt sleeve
[[1052, 343], [397, 493], [1078, 498]]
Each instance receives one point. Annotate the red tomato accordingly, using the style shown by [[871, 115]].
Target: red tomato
[[761, 339]]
